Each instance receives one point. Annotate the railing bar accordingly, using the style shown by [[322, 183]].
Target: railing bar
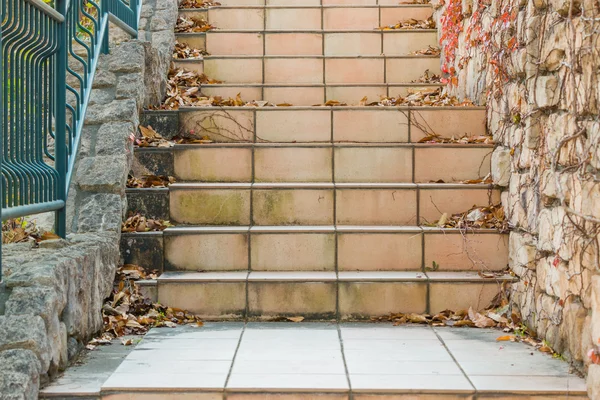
[[46, 9], [18, 211]]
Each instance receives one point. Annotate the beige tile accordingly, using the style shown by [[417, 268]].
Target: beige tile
[[163, 396], [292, 207], [293, 126], [237, 18], [293, 164], [293, 44], [401, 43], [293, 70], [461, 296], [293, 252], [283, 396], [434, 202], [248, 93], [297, 95], [352, 95], [210, 206], [448, 123], [354, 70], [234, 43], [414, 396], [214, 164], [221, 125], [205, 252], [451, 164], [234, 70], [404, 70], [373, 164], [349, 2], [294, 19], [242, 2], [293, 2], [308, 299], [462, 251], [194, 13], [393, 15], [346, 18], [379, 251], [403, 90], [370, 126], [352, 44], [376, 206], [362, 300], [212, 300]]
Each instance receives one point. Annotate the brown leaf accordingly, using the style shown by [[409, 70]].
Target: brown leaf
[[295, 319], [505, 338]]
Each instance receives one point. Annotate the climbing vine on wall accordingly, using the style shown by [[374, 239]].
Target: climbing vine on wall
[[451, 27]]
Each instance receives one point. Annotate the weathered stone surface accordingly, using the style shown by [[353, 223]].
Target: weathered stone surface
[[114, 139], [26, 332], [103, 174], [127, 58], [593, 381], [501, 166], [547, 92], [131, 86], [115, 111], [19, 374], [100, 212]]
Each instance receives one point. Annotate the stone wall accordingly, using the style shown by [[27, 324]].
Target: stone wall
[[536, 64], [52, 294]]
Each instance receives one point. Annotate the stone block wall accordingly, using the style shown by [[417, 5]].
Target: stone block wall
[[535, 64], [52, 294]]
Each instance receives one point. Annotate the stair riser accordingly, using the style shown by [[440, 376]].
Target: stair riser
[[399, 251], [351, 164], [313, 70], [350, 300], [306, 18], [264, 207], [307, 2], [311, 95], [390, 43]]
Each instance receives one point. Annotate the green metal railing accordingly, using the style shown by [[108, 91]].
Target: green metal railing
[[49, 58]]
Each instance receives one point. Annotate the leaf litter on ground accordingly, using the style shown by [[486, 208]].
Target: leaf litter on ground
[[477, 217], [187, 4], [192, 25], [21, 230], [411, 23], [183, 51], [149, 181], [138, 223], [127, 312], [428, 77], [429, 51]]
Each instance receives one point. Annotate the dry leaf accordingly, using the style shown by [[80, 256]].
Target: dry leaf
[[505, 338], [295, 319]]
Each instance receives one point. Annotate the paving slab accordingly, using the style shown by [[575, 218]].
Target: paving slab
[[290, 361]]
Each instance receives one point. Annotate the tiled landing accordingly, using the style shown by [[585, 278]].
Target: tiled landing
[[327, 361]]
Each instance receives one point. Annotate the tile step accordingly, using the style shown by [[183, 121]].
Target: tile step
[[319, 124], [292, 17], [314, 248], [275, 70], [324, 295], [310, 42], [309, 163]]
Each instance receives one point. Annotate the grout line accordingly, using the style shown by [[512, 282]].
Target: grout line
[[350, 394], [237, 348], [455, 361]]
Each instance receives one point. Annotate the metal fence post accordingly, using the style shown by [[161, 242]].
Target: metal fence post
[[104, 46], [60, 118]]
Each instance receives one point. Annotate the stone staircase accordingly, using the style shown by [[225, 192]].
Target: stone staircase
[[315, 211]]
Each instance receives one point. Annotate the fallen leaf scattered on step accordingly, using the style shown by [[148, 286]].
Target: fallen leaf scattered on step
[[428, 77], [150, 138], [139, 223], [505, 338], [411, 23], [149, 181], [21, 230], [186, 4], [295, 319], [189, 25], [429, 51], [486, 217], [183, 51]]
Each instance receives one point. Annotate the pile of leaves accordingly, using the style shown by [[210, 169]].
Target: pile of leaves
[[189, 79], [138, 223], [498, 315], [435, 97], [192, 25], [478, 139], [428, 77], [411, 23], [485, 217], [187, 4], [127, 312], [149, 181], [416, 2], [184, 52], [150, 138], [429, 51], [19, 230]]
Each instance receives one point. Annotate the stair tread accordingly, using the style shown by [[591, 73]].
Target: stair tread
[[327, 276]]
